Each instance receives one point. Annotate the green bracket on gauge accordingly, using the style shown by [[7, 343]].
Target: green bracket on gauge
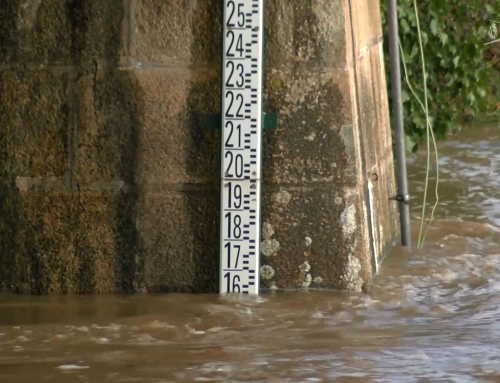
[[214, 121]]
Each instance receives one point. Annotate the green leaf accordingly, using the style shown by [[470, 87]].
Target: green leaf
[[405, 27], [443, 37], [434, 27], [425, 38], [471, 98], [414, 51], [458, 64], [409, 143]]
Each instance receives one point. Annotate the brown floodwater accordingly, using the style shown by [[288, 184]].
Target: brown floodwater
[[432, 315]]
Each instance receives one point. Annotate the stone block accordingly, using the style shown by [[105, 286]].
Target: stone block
[[60, 32], [67, 242], [109, 115], [110, 181], [305, 30], [377, 148], [179, 235], [313, 237], [34, 118], [308, 145], [146, 127], [181, 30], [367, 24], [175, 146]]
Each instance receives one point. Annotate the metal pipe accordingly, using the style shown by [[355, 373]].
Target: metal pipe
[[399, 133]]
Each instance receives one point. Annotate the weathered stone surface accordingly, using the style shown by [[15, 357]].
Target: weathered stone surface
[[334, 232], [175, 146], [179, 230], [176, 30], [367, 29], [34, 119], [66, 242], [109, 113], [313, 31], [109, 180], [377, 144], [146, 127], [60, 32], [307, 146]]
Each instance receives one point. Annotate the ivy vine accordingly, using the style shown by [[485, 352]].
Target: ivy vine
[[461, 77]]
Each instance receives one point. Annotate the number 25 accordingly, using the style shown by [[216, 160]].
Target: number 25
[[241, 15]]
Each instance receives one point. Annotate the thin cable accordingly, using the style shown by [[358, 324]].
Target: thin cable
[[419, 243], [436, 190], [407, 79]]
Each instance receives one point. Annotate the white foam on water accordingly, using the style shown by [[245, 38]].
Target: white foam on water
[[160, 325], [68, 367], [112, 326]]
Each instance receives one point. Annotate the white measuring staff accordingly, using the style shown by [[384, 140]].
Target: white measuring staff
[[241, 146]]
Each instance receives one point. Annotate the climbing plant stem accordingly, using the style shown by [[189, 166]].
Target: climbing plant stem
[[407, 79], [426, 105]]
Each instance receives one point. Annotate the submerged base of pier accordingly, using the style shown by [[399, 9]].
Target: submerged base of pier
[[109, 181]]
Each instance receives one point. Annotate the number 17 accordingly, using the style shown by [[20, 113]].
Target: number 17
[[228, 247]]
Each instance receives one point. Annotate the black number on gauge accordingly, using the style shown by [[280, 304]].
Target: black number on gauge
[[239, 44], [230, 126], [241, 81], [233, 225], [237, 161], [239, 97], [236, 287], [230, 247], [234, 196], [241, 15]]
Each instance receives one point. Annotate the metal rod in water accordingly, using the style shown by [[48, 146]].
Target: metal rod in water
[[397, 112]]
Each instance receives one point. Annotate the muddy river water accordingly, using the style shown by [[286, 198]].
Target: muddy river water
[[432, 315]]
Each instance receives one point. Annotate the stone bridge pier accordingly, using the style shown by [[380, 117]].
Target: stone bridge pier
[[109, 181]]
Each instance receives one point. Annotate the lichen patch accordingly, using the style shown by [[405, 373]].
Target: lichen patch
[[305, 267], [283, 197], [269, 247], [266, 272], [267, 230], [307, 281], [348, 219], [351, 276]]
